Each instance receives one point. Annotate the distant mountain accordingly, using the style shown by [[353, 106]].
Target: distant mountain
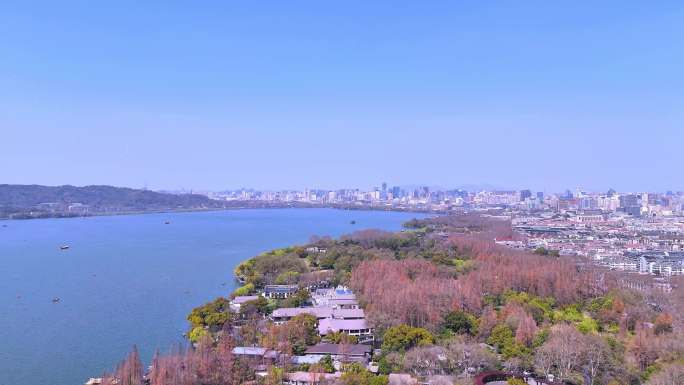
[[36, 201]]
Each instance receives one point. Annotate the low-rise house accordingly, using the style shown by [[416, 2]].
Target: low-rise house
[[344, 313], [343, 303], [315, 249], [338, 297], [258, 356], [341, 352], [307, 378], [353, 327], [238, 301], [285, 314], [308, 359], [279, 291]]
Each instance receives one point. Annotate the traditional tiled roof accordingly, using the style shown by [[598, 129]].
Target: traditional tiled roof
[[319, 311], [249, 351], [239, 300], [311, 377], [334, 325], [339, 349]]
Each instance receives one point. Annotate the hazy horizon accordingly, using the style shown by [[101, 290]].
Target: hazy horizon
[[292, 96], [407, 187]]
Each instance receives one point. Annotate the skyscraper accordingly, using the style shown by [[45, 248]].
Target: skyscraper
[[524, 194]]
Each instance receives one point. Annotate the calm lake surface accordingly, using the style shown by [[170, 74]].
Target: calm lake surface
[[131, 280]]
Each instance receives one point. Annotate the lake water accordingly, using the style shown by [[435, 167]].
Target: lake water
[[131, 280]]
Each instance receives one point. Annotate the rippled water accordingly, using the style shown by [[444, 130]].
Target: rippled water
[[130, 280]]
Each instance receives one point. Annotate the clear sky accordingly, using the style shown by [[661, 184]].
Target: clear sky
[[293, 94]]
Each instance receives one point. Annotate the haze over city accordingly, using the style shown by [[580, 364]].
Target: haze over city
[[513, 95]]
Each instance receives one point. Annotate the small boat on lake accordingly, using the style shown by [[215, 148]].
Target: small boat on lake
[[353, 222], [55, 300], [64, 247], [167, 222]]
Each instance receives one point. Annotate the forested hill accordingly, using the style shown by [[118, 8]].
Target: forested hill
[[25, 201]]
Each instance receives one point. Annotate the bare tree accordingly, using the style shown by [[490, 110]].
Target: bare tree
[[672, 374], [595, 357], [425, 360], [562, 353], [464, 357]]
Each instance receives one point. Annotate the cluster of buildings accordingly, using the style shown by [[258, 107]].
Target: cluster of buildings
[[637, 233], [430, 199], [337, 311], [395, 196]]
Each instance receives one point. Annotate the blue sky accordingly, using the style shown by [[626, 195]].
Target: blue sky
[[213, 95]]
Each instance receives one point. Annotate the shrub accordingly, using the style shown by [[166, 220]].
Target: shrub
[[403, 337], [460, 322]]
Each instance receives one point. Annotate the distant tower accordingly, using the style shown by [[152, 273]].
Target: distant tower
[[524, 194]]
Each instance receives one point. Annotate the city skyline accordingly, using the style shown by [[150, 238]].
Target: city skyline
[[472, 188], [407, 188]]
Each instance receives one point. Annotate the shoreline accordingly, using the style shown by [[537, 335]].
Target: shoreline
[[246, 207], [168, 334]]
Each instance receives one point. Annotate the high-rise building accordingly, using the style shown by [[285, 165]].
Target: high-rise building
[[631, 204], [524, 194]]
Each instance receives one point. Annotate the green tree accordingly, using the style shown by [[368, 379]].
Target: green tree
[[460, 322], [275, 376], [588, 325], [355, 374], [341, 338], [287, 278], [299, 299], [403, 337], [213, 314], [197, 333], [540, 338], [504, 339], [260, 306], [541, 251], [247, 289], [327, 364]]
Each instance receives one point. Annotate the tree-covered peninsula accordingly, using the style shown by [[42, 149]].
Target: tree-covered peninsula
[[441, 302]]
